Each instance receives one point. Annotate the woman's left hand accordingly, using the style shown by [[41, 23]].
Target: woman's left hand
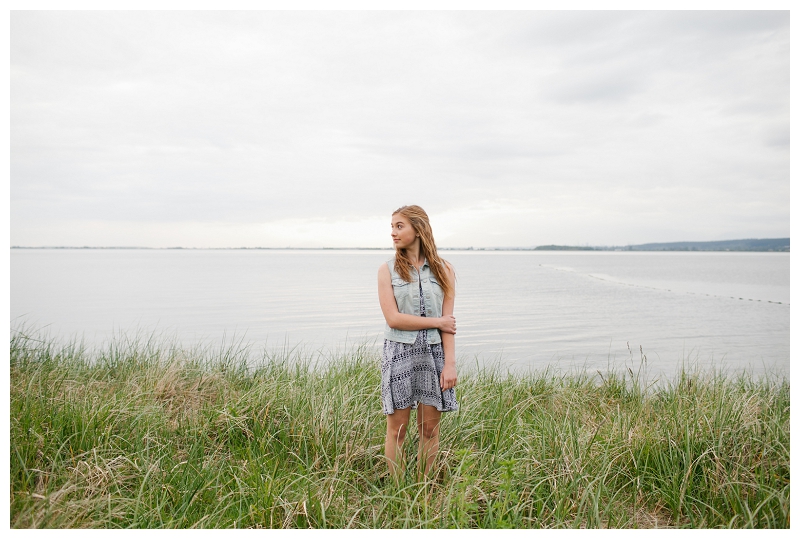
[[448, 378]]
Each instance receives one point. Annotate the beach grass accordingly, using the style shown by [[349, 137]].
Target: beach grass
[[144, 433]]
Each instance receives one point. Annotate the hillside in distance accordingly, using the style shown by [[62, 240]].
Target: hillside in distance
[[770, 244]]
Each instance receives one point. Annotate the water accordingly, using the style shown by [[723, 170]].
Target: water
[[524, 309]]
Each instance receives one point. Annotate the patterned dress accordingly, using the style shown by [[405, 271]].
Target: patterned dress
[[410, 373]]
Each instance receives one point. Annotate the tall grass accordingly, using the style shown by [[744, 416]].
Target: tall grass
[[147, 434]]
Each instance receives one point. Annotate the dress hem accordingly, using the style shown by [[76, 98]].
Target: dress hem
[[415, 403]]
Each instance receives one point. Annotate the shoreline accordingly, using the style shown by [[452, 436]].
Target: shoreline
[[767, 245]]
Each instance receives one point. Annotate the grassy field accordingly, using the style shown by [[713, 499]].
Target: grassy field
[[147, 434]]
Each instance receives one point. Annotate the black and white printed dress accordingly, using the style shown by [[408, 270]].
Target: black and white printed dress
[[410, 373]]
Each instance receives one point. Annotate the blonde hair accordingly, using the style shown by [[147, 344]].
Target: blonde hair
[[402, 263]]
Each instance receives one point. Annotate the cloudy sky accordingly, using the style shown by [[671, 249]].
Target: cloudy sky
[[307, 129]]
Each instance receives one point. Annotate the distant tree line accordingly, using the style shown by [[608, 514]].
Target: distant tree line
[[771, 244]]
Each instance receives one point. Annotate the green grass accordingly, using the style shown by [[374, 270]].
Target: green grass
[[147, 434]]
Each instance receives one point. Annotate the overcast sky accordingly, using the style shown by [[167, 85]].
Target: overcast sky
[[307, 129]]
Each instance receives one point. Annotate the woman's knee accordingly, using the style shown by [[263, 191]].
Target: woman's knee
[[397, 424], [429, 429], [396, 430], [428, 422]]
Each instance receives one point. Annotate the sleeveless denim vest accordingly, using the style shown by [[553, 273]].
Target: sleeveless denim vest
[[407, 297]]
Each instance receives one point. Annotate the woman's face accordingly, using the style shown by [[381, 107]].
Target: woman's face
[[403, 234]]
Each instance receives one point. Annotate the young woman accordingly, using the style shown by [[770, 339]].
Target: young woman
[[416, 289]]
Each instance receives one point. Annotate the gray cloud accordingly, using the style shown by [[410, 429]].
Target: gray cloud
[[257, 117]]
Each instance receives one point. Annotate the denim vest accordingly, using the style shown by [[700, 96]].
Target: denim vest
[[407, 297]]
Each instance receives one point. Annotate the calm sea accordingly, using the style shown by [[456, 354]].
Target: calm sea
[[521, 308]]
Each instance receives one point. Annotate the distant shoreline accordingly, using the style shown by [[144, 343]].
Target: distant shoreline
[[746, 245], [753, 245]]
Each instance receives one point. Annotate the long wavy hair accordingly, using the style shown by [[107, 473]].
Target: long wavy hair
[[422, 226]]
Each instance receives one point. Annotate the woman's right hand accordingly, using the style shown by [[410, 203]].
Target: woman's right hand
[[447, 323]]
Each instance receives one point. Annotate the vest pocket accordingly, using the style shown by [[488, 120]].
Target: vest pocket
[[402, 295]]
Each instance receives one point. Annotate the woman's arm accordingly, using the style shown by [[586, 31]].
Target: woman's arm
[[448, 378], [407, 322]]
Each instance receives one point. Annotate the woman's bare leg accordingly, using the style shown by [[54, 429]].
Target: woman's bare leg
[[428, 418], [396, 427]]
